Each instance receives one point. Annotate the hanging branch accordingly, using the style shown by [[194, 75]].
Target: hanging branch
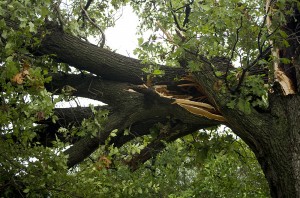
[[94, 24], [231, 57], [60, 19], [259, 45], [86, 7], [178, 28], [175, 18], [168, 35], [187, 13]]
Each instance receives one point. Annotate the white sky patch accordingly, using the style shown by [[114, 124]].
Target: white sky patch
[[78, 102], [122, 38]]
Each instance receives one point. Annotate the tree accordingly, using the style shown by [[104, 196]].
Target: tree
[[205, 64]]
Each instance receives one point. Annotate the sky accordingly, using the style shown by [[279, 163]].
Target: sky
[[122, 37]]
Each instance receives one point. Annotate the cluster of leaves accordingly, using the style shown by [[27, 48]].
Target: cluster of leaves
[[26, 166], [252, 93], [94, 125], [22, 78], [205, 164], [32, 171], [213, 28]]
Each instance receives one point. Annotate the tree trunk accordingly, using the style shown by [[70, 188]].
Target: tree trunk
[[279, 154], [273, 136]]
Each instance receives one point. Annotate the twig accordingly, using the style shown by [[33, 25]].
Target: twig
[[60, 19], [94, 24], [231, 57], [187, 13], [169, 37]]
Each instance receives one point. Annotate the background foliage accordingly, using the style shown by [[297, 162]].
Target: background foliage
[[204, 164]]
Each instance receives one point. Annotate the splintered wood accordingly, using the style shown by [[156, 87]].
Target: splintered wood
[[199, 108], [284, 81], [194, 107]]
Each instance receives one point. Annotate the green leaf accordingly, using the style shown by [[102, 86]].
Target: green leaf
[[285, 43], [4, 34], [140, 40], [114, 133], [126, 132], [285, 60], [32, 27], [244, 106], [219, 73], [140, 191], [26, 190], [283, 34], [205, 7], [158, 72], [231, 104]]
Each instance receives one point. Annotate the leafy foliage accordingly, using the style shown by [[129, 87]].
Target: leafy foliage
[[203, 164], [184, 34]]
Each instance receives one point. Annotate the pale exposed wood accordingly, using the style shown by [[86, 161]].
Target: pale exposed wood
[[197, 108], [164, 92], [279, 75], [194, 103], [285, 82], [168, 35], [202, 112]]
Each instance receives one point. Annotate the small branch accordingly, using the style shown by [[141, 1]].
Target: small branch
[[241, 79], [174, 16], [86, 7], [187, 13], [168, 35], [94, 24], [60, 19], [260, 33], [232, 54], [263, 54]]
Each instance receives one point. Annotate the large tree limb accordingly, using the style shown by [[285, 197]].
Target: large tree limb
[[102, 62], [93, 87], [136, 110]]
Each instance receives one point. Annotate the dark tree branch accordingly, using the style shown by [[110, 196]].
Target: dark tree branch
[[175, 18], [231, 58], [102, 62], [93, 87], [87, 5], [168, 134], [187, 12], [138, 109], [85, 14]]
